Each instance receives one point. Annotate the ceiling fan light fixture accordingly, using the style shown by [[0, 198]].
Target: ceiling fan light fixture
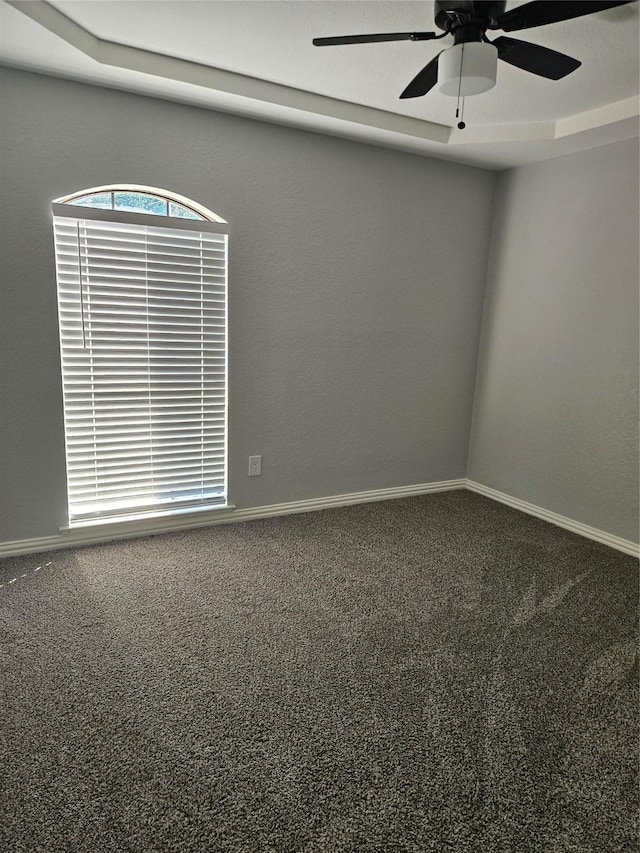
[[468, 68]]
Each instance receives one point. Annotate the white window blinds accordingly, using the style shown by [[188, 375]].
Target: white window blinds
[[142, 316]]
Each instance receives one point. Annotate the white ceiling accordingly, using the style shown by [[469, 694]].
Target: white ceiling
[[256, 59]]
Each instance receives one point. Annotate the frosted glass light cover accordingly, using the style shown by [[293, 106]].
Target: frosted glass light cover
[[477, 65]]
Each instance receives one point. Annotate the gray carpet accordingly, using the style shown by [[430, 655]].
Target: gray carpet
[[440, 673]]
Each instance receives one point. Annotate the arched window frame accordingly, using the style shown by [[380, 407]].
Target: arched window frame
[[147, 227], [200, 211]]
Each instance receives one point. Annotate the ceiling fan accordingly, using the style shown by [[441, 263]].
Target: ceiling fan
[[468, 67]]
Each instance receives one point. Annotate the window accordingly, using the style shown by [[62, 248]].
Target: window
[[135, 202], [142, 281]]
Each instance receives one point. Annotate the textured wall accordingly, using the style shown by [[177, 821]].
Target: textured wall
[[356, 283], [556, 406]]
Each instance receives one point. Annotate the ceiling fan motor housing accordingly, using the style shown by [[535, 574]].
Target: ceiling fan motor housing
[[450, 14]]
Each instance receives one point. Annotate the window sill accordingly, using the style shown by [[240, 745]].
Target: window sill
[[167, 519]]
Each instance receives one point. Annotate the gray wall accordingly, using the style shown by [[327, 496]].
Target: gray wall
[[356, 283], [556, 405]]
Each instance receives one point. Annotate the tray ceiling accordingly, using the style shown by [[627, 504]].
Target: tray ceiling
[[256, 59]]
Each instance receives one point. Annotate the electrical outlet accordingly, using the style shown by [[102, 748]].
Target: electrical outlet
[[255, 466]]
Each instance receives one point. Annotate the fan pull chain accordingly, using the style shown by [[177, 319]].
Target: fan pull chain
[[461, 124]]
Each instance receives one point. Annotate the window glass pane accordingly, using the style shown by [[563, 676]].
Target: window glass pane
[[101, 200], [136, 202], [182, 212], [140, 203]]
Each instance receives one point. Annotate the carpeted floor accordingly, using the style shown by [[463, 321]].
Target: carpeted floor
[[440, 673]]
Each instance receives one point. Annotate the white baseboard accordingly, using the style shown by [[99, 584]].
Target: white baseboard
[[149, 527], [624, 545]]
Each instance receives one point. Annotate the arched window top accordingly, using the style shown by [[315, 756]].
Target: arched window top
[[133, 198]]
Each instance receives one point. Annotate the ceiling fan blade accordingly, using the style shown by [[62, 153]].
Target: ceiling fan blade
[[535, 58], [373, 37], [424, 81], [541, 12]]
